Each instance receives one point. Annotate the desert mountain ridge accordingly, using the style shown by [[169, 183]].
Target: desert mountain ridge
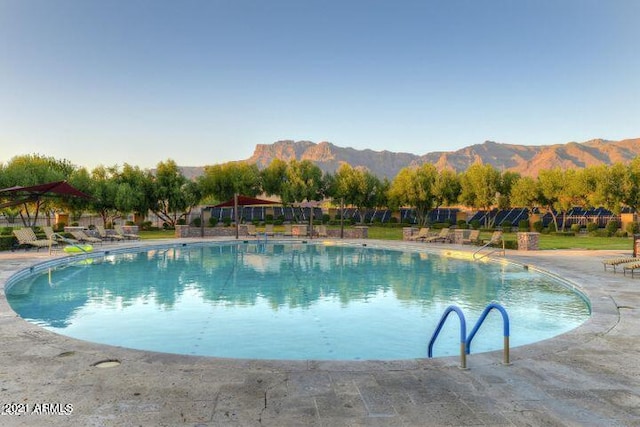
[[525, 159]]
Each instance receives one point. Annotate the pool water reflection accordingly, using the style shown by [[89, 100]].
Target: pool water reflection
[[291, 301]]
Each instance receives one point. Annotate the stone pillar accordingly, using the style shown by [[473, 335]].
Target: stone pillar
[[362, 231], [181, 231], [528, 241]]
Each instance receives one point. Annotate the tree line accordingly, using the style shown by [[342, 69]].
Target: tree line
[[119, 190]]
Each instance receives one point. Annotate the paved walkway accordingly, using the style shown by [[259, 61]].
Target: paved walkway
[[590, 376]]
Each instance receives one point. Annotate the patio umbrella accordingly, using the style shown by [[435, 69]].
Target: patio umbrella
[[239, 200], [19, 195]]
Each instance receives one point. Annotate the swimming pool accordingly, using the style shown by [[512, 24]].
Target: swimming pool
[[284, 300]]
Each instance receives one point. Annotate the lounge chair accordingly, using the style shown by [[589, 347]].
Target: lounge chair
[[442, 237], [615, 262], [26, 237], [268, 229], [474, 237], [322, 231], [631, 266], [83, 237], [422, 234], [110, 236], [128, 236], [51, 235], [251, 230]]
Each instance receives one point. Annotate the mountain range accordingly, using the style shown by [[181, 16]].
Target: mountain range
[[524, 159]]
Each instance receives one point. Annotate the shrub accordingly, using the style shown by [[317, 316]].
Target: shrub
[[6, 231], [621, 233], [506, 225], [181, 221], [393, 220], [523, 225], [551, 227], [325, 218], [601, 233], [612, 226], [538, 226], [475, 224], [575, 228], [510, 244], [7, 242], [213, 222], [564, 233], [196, 222], [268, 219], [592, 227]]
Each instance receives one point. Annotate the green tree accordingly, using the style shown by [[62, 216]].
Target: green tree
[[174, 194], [33, 169], [480, 188], [273, 177], [559, 191], [224, 181], [104, 189], [605, 186], [631, 185], [80, 179], [446, 188], [525, 193], [507, 180], [136, 191], [304, 182], [414, 186], [358, 187]]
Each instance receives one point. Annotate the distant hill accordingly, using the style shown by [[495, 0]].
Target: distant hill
[[524, 159]]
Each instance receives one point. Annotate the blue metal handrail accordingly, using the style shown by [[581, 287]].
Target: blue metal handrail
[[463, 333], [505, 321]]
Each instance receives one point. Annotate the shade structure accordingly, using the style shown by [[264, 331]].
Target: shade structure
[[239, 200], [245, 201], [19, 195]]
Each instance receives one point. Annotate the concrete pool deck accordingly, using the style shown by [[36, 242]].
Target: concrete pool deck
[[589, 376]]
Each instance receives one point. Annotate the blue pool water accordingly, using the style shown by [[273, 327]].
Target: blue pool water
[[291, 301]]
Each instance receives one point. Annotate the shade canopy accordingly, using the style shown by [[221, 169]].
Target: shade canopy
[[20, 195], [246, 201]]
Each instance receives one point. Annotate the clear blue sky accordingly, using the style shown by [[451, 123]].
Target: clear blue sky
[[203, 82]]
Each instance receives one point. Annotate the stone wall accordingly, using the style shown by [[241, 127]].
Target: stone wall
[[183, 231], [186, 231]]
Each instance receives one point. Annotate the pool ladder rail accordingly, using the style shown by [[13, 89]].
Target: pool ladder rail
[[69, 242], [465, 341], [478, 254]]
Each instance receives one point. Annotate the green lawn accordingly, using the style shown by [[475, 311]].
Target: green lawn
[[159, 234], [584, 242], [547, 241]]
